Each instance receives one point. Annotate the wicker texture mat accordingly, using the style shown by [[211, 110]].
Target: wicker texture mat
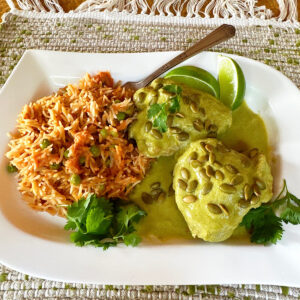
[[275, 46]]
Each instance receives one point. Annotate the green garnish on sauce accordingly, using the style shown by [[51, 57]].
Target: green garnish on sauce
[[102, 223], [265, 223]]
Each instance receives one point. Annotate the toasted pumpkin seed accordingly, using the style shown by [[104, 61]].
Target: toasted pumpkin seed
[[260, 184], [256, 190], [224, 209], [203, 174], [147, 198], [194, 107], [198, 125], [243, 203], [222, 148], [193, 155], [209, 148], [175, 129], [182, 184], [161, 197], [212, 157], [192, 186], [140, 97], [171, 191], [155, 185], [212, 134], [207, 124], [189, 199], [170, 119], [254, 200], [179, 115], [253, 152], [231, 169], [148, 126], [213, 127], [156, 192], [201, 111], [227, 188], [217, 164], [186, 100], [214, 209], [248, 191], [202, 146], [206, 188], [183, 136], [219, 175], [237, 179], [185, 173], [203, 158], [196, 164], [245, 162], [210, 171], [156, 133]]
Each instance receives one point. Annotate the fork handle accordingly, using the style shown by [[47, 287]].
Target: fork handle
[[219, 35]]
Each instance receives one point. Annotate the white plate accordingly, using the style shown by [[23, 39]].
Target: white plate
[[36, 244]]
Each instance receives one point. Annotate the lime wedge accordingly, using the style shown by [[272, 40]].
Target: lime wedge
[[232, 82], [196, 78]]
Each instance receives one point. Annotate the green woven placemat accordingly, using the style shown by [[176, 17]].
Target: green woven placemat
[[275, 46]]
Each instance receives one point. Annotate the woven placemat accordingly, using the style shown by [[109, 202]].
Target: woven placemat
[[275, 46]]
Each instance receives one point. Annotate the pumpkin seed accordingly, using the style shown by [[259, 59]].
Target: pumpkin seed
[[245, 162], [207, 124], [231, 169], [182, 184], [219, 175], [183, 136], [186, 100], [237, 179], [157, 134], [203, 158], [170, 119], [210, 171], [214, 209], [148, 126], [156, 192], [203, 174], [201, 112], [196, 164], [260, 184], [217, 164], [254, 200], [193, 155], [175, 129], [189, 199], [253, 152], [179, 115], [212, 127], [202, 146], [256, 190], [192, 186], [243, 203], [212, 134], [161, 197], [212, 157], [140, 97], [185, 173], [194, 107], [157, 84], [147, 198], [248, 191], [171, 191], [224, 209], [198, 125], [209, 148], [222, 148], [155, 185], [206, 188], [227, 188]]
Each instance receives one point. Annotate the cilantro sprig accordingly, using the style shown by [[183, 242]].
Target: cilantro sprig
[[265, 223], [159, 112], [102, 223]]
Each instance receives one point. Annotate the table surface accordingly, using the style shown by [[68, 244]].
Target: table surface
[[72, 4]]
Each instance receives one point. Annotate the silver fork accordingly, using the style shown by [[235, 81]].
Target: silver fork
[[219, 35]]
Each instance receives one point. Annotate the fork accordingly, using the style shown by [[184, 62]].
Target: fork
[[219, 35]]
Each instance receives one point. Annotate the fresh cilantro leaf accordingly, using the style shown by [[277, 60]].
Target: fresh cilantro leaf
[[173, 88], [154, 110], [159, 115], [96, 221], [161, 122], [174, 105], [264, 226], [291, 215]]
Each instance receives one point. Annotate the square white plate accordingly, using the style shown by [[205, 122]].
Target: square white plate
[[36, 244]]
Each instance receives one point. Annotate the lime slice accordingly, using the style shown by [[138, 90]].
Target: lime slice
[[232, 82], [196, 78]]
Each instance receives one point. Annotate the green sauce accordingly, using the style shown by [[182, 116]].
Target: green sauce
[[164, 221]]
